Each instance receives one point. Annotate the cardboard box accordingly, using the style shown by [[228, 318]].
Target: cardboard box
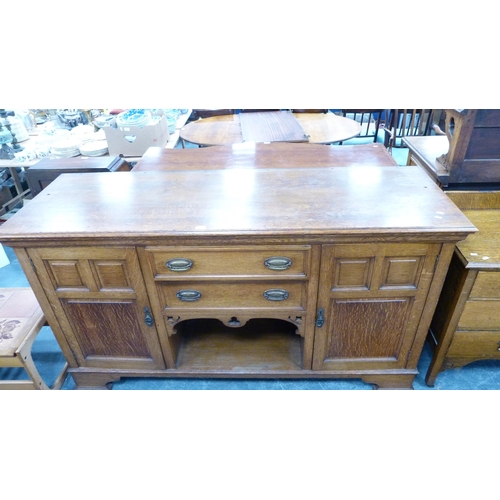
[[134, 141]]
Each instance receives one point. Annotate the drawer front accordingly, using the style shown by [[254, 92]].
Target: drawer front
[[480, 315], [486, 286], [475, 344], [177, 263], [198, 295]]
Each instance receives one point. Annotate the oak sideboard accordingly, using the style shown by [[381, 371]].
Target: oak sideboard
[[258, 273]]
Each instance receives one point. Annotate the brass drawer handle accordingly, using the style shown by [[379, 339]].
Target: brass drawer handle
[[278, 263], [188, 295], [179, 265], [276, 294]]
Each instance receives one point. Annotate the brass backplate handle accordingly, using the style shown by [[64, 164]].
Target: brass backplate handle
[[188, 295], [179, 265], [276, 294], [278, 263]]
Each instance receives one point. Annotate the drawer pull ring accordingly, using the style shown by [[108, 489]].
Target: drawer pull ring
[[278, 263], [188, 295], [276, 294], [179, 265], [148, 318]]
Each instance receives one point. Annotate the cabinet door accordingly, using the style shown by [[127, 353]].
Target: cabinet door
[[100, 301], [372, 297]]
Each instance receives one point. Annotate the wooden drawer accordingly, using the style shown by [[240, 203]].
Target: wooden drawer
[[198, 295], [486, 286], [179, 262], [475, 344], [480, 315]]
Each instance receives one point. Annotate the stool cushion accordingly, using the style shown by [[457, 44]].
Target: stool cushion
[[19, 312]]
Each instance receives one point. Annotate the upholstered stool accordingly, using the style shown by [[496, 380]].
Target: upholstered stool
[[20, 321]]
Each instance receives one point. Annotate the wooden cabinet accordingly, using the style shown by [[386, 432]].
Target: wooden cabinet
[[468, 157], [40, 175], [235, 285], [100, 300], [306, 273], [466, 323], [372, 297], [474, 153]]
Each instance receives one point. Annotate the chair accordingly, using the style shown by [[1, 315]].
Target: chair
[[406, 122], [365, 117], [20, 321]]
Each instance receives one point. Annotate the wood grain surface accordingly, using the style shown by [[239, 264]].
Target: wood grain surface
[[321, 201], [320, 128], [271, 127], [274, 155]]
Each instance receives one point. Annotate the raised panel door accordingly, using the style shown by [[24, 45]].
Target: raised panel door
[[371, 297], [100, 300]]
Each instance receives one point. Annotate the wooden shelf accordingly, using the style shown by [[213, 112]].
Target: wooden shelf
[[261, 344]]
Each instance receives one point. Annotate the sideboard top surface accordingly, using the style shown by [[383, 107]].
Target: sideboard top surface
[[293, 202]]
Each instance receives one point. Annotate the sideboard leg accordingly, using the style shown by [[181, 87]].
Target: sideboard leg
[[433, 371], [390, 381], [94, 380]]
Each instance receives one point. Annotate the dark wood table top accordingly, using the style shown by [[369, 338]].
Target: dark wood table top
[[274, 155], [428, 146], [320, 128]]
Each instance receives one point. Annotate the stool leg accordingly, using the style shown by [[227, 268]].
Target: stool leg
[[32, 371], [61, 378], [24, 355]]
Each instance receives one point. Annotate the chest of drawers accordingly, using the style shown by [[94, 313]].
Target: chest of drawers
[[466, 324], [307, 273]]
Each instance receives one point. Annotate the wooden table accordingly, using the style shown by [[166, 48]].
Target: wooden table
[[292, 272], [274, 155], [424, 151], [321, 128]]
